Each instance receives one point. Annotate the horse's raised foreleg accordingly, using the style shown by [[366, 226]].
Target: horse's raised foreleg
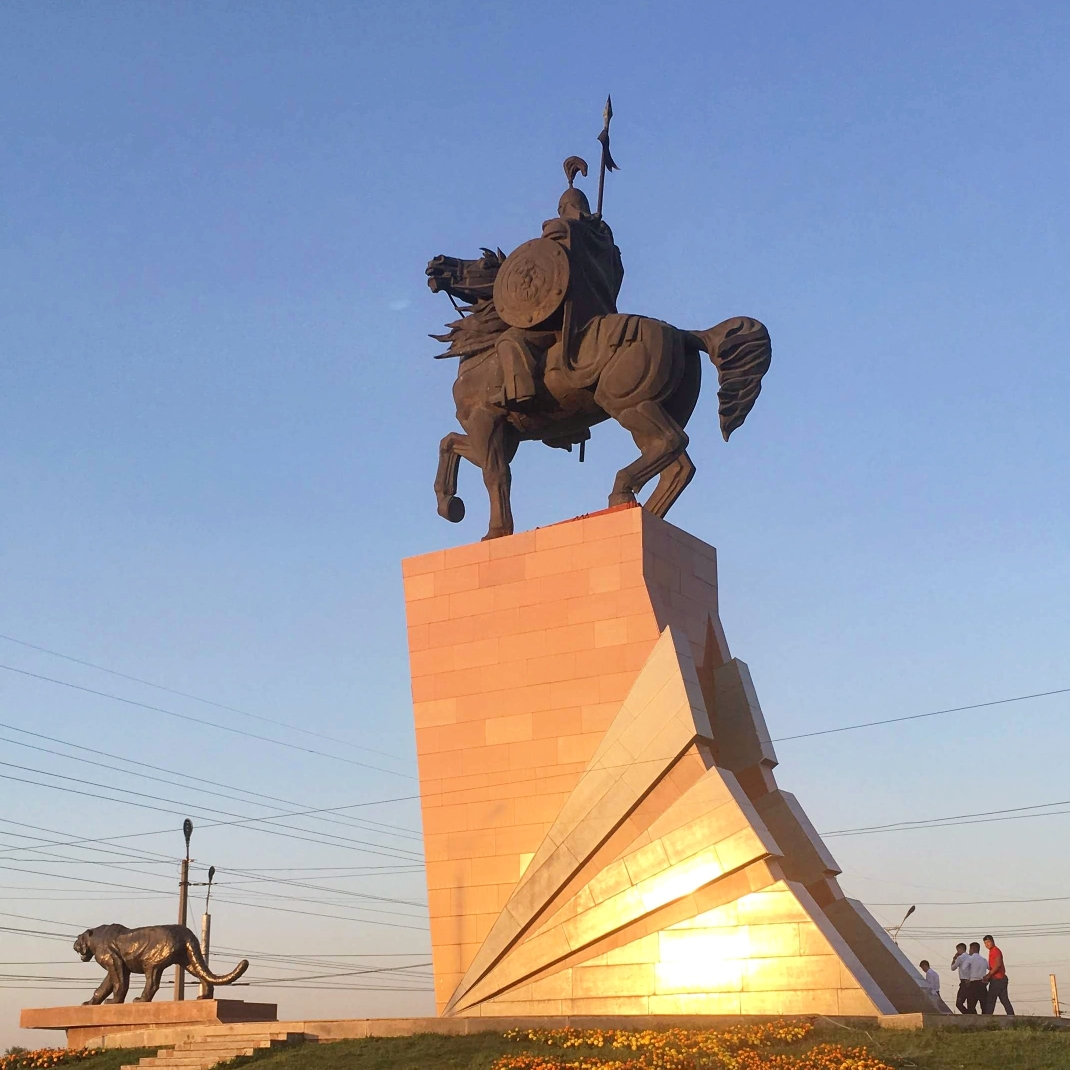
[[662, 443], [490, 444], [450, 451]]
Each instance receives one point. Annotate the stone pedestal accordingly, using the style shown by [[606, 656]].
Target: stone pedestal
[[603, 830], [90, 1025]]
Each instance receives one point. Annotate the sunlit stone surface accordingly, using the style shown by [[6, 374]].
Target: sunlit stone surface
[[603, 831]]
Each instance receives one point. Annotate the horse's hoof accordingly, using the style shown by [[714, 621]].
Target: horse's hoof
[[496, 533], [627, 498], [452, 509]]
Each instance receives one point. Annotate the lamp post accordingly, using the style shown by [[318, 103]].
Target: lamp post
[[207, 990], [894, 932], [183, 898]]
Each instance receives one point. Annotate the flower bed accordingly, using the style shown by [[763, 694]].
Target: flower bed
[[43, 1058], [744, 1047]]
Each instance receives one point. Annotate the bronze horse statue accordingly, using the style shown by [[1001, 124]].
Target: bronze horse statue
[[643, 372]]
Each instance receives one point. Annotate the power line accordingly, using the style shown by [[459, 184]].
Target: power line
[[311, 887], [80, 844], [316, 914], [168, 831], [195, 698], [315, 956], [346, 973], [343, 893], [395, 829], [983, 817], [264, 894], [915, 716], [333, 841], [364, 898], [202, 721], [974, 902]]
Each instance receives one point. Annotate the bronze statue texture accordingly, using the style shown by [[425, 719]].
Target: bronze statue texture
[[545, 355], [148, 950]]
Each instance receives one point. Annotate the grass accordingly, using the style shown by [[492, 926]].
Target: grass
[[111, 1059], [425, 1051], [1022, 1048]]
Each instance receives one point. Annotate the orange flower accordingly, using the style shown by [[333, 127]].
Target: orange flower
[[736, 1048], [43, 1058]]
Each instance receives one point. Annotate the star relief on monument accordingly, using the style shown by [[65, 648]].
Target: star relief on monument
[[543, 354]]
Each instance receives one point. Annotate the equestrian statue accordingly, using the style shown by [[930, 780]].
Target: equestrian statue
[[544, 354]]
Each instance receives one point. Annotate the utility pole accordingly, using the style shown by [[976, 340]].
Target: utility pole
[[207, 990], [183, 898], [1055, 1008]]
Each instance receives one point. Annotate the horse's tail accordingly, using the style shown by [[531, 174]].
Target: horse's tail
[[741, 351], [196, 965]]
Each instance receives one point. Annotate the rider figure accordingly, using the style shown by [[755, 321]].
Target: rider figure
[[595, 276]]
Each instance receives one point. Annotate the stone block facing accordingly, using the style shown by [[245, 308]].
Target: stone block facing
[[88, 1025], [603, 831]]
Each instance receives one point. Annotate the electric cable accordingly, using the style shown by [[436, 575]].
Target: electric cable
[[982, 817], [202, 721], [393, 829], [334, 841], [196, 698], [914, 716]]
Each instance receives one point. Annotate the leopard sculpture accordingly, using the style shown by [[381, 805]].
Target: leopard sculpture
[[148, 950]]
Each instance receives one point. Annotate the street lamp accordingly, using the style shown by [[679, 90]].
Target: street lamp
[[894, 932], [183, 898]]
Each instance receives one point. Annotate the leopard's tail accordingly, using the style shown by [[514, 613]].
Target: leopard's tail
[[196, 965]]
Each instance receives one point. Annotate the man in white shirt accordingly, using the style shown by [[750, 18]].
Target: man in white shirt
[[975, 970], [932, 978], [959, 965]]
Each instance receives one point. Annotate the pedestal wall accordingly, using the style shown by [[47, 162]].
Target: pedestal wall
[[602, 828], [522, 650]]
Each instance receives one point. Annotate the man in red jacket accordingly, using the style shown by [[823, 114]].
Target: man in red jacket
[[997, 980]]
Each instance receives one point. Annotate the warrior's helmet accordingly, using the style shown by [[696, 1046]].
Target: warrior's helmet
[[573, 203]]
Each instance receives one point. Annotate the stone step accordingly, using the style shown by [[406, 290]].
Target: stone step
[[205, 1062], [246, 1034], [210, 1058], [238, 1038], [194, 1058], [211, 1043], [201, 1057], [208, 1050]]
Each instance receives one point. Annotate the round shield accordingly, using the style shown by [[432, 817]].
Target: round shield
[[531, 284]]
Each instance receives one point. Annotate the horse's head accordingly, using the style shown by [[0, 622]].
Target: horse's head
[[467, 280]]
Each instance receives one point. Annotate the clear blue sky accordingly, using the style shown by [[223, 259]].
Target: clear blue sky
[[214, 220]]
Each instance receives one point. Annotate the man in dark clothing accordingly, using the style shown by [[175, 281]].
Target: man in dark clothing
[[976, 970], [997, 980], [958, 964]]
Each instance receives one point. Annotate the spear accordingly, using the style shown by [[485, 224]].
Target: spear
[[607, 159]]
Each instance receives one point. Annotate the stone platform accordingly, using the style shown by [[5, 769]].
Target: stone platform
[[327, 1030], [89, 1026], [602, 828]]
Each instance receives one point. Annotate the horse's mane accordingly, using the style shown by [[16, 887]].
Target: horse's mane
[[475, 333]]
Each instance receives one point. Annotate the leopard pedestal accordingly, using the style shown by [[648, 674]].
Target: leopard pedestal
[[88, 1026]]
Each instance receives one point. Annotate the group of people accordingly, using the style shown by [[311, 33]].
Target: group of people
[[982, 980]]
